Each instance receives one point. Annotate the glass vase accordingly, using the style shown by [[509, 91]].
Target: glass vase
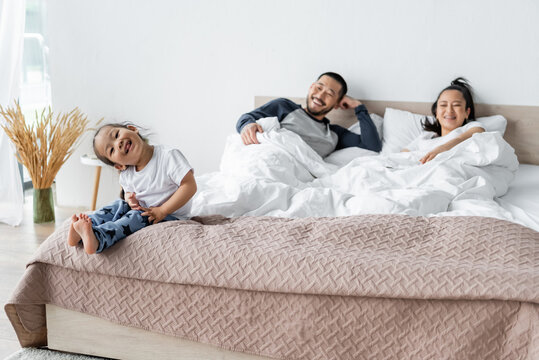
[[43, 205]]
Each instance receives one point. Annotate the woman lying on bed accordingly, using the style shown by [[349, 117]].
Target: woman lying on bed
[[454, 121]]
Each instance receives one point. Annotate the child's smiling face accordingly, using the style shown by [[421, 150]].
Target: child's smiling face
[[123, 147]]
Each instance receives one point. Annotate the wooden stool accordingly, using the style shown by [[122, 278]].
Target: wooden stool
[[90, 159]]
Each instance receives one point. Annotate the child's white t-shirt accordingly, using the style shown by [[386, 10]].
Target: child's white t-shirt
[[429, 140], [159, 179]]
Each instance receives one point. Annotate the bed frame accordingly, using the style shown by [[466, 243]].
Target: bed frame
[[80, 333], [122, 342], [522, 121]]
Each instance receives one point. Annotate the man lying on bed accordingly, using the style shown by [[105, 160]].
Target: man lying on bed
[[310, 123]]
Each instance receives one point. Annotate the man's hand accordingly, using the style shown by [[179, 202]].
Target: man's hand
[[348, 103], [248, 133], [132, 201], [154, 214]]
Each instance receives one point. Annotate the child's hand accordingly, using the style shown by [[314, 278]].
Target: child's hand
[[154, 214], [132, 201]]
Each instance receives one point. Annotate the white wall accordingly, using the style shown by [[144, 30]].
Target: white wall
[[188, 69]]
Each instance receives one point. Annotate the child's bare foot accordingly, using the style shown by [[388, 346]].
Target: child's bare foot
[[84, 228], [73, 237]]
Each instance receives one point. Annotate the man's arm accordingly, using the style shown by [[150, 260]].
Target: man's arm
[[369, 138], [247, 126]]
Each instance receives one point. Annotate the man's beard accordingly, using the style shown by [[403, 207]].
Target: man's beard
[[316, 113]]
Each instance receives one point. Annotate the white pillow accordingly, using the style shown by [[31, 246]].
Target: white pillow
[[494, 123], [376, 119], [402, 127]]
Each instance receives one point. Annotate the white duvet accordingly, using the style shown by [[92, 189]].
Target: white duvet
[[284, 177]]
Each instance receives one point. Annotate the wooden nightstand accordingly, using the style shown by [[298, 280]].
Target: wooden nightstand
[[92, 160]]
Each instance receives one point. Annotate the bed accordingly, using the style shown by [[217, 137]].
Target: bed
[[348, 287]]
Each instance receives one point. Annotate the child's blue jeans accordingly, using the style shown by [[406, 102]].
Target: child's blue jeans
[[116, 221]]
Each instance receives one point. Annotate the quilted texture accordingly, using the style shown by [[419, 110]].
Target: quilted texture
[[376, 286]]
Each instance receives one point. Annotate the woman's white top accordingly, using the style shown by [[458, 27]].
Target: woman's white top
[[429, 140]]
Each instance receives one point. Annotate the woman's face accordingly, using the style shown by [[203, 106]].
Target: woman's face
[[451, 110]]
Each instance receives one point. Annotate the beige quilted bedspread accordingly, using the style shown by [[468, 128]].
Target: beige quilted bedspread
[[362, 287]]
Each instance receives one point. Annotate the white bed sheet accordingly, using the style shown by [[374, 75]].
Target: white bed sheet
[[284, 177], [522, 198]]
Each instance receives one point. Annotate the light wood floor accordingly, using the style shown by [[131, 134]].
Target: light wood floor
[[17, 245]]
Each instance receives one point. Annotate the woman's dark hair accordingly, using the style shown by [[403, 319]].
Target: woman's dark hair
[[338, 78], [462, 85], [113, 125]]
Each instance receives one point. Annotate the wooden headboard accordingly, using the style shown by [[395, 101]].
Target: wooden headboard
[[522, 121]]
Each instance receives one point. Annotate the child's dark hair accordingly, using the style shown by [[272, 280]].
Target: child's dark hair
[[113, 125], [462, 85]]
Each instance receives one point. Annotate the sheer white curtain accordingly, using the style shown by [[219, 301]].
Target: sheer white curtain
[[12, 14]]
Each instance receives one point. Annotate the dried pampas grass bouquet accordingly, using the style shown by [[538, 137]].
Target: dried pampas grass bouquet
[[43, 147]]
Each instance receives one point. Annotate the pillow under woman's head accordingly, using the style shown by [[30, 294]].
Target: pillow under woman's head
[[402, 127]]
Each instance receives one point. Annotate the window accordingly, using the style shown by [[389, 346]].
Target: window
[[36, 85]]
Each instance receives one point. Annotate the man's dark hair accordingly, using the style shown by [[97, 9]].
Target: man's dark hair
[[338, 78]]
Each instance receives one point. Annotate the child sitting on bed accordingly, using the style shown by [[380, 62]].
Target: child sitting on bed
[[158, 181], [455, 114]]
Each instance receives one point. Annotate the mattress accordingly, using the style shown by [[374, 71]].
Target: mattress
[[357, 287], [522, 198]]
